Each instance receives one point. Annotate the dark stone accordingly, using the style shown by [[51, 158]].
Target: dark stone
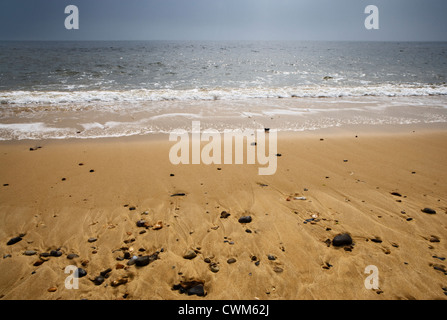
[[13, 241], [197, 289], [92, 170], [72, 256], [397, 194], [145, 260], [343, 239], [224, 214], [428, 210], [231, 260], [376, 240], [181, 194], [55, 253], [79, 273], [271, 257], [105, 273], [98, 280], [92, 240], [141, 223], [245, 219]]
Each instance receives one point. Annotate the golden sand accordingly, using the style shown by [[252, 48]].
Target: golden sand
[[51, 196]]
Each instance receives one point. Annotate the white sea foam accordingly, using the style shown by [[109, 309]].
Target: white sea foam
[[92, 96]]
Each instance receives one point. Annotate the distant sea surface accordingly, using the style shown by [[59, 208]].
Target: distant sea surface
[[100, 89]]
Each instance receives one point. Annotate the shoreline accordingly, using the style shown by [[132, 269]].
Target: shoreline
[[283, 253]]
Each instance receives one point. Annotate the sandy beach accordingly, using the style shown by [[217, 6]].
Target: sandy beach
[[102, 201]]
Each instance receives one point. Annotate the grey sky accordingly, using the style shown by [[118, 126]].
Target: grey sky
[[400, 20]]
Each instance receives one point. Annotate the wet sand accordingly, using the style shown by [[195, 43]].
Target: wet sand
[[87, 197]]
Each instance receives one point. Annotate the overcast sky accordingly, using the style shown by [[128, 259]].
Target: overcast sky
[[399, 20]]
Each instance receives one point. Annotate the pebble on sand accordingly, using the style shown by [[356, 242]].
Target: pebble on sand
[[13, 241], [428, 210], [158, 225], [79, 273], [191, 288], [52, 289], [190, 254], [245, 219], [224, 214], [343, 239]]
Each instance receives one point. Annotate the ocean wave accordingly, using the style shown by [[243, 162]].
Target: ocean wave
[[142, 95]]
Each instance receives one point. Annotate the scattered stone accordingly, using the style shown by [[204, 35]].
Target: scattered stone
[[13, 241], [29, 252], [145, 260], [79, 273], [119, 266], [434, 239], [190, 254], [91, 170], [440, 258], [105, 273], [92, 240], [245, 219], [171, 175], [343, 239], [231, 260], [327, 77], [299, 198], [132, 260], [131, 208], [278, 269], [224, 214], [72, 256], [55, 253], [98, 280], [158, 225], [141, 223], [278, 154], [118, 282], [439, 267], [376, 240], [52, 289], [178, 194], [191, 288], [214, 267], [428, 210], [38, 262], [266, 129], [397, 194], [271, 257]]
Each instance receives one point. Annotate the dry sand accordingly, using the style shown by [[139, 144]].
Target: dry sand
[[351, 196]]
